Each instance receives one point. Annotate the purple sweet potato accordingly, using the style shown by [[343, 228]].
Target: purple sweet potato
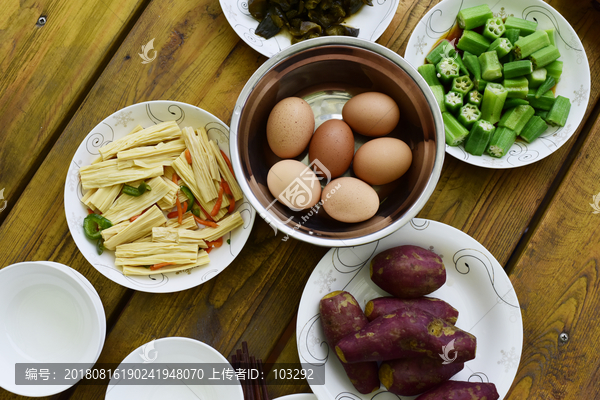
[[341, 315], [387, 305], [411, 376], [404, 334], [408, 272], [456, 390]]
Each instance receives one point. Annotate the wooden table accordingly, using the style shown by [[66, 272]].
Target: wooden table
[[59, 79]]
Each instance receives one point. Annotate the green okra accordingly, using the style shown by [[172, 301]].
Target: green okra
[[494, 28], [501, 141], [453, 101], [525, 27], [447, 69], [543, 114], [461, 64], [533, 129], [443, 49], [462, 85], [551, 36], [472, 63], [510, 57], [479, 137], [537, 77], [429, 73], [526, 46], [501, 46], [517, 68], [544, 56], [468, 114], [438, 93], [480, 85], [473, 42], [544, 87], [517, 87], [512, 103], [543, 103], [554, 70], [474, 17], [516, 118], [558, 114], [494, 97], [474, 97], [512, 35], [491, 68], [455, 132]]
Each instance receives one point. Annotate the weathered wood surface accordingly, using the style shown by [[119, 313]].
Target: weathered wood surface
[[201, 61]]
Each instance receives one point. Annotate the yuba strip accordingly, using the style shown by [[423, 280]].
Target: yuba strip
[[387, 305], [406, 333], [340, 316], [162, 132]]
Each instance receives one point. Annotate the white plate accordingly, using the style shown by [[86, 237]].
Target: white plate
[[574, 82], [476, 286], [372, 22], [116, 126], [175, 350], [298, 396], [49, 313]]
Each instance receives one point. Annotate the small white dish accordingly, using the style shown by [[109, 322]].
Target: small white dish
[[298, 396], [49, 313], [574, 83], [174, 350]]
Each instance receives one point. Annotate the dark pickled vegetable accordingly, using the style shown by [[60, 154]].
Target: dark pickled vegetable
[[272, 23]]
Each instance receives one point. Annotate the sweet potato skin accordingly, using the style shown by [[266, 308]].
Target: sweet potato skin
[[341, 315], [406, 333], [387, 305], [408, 271], [411, 376], [457, 390]]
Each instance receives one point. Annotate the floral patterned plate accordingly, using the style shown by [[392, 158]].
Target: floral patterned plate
[[372, 22], [116, 126], [574, 83], [476, 286]]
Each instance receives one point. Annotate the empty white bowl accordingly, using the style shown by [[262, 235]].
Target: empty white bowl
[[49, 313]]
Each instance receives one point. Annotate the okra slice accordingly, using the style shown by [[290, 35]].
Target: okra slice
[[558, 114], [455, 132], [551, 36], [517, 87], [525, 27], [512, 35], [494, 28], [473, 17], [543, 114], [480, 85], [554, 69], [543, 103], [510, 57], [526, 46], [544, 56], [461, 64], [491, 68], [472, 63], [547, 85], [453, 101], [517, 68], [473, 42], [502, 46], [438, 93], [516, 118], [474, 97], [468, 114], [447, 69], [501, 141], [494, 97], [479, 137], [462, 85], [536, 78], [429, 73], [512, 103], [533, 129], [444, 49]]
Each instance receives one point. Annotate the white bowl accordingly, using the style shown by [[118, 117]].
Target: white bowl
[[49, 313]]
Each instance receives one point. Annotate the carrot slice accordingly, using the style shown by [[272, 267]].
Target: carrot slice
[[172, 214], [229, 194], [179, 213], [231, 205], [206, 223], [175, 178], [184, 207], [90, 211], [228, 162], [215, 243], [160, 265], [226, 187], [188, 156], [208, 217], [208, 250], [217, 206]]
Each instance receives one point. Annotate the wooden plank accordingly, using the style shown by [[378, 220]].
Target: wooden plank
[[46, 72], [557, 281]]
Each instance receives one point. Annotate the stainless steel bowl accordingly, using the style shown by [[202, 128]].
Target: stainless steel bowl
[[330, 68]]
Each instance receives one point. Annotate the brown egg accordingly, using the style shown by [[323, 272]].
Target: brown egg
[[349, 200], [294, 184], [371, 114], [332, 146], [382, 160], [290, 126]]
